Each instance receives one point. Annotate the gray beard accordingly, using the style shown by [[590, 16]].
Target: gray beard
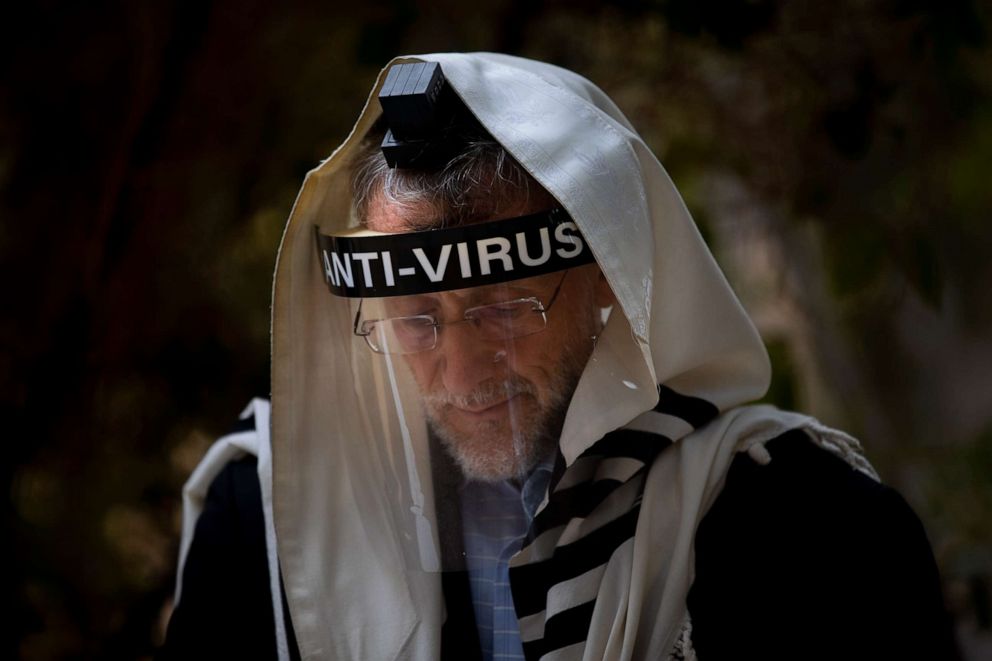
[[493, 454], [501, 458]]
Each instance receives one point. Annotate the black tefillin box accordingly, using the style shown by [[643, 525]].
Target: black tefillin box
[[428, 123]]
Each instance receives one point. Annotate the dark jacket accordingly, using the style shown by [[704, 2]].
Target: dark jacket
[[804, 558]]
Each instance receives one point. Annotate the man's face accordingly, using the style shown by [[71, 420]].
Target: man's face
[[498, 406]]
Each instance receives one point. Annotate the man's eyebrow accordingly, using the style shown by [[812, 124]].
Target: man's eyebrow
[[508, 292]]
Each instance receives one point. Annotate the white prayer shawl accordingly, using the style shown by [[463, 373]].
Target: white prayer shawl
[[677, 326], [643, 588]]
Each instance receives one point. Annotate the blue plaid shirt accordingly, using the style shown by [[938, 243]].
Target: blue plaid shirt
[[495, 519]]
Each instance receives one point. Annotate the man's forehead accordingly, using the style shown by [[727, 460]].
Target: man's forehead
[[524, 287], [391, 218], [400, 218]]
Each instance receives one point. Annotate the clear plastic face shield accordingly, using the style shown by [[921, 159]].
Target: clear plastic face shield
[[466, 344]]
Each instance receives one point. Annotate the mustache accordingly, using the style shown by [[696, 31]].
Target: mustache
[[488, 393]]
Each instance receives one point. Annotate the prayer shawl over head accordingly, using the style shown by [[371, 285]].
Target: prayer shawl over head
[[650, 433]]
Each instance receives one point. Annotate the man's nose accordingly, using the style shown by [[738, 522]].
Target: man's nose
[[468, 358]]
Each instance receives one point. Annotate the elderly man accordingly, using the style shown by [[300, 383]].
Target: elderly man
[[513, 427]]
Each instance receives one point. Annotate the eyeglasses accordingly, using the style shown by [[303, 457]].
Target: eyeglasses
[[494, 322]]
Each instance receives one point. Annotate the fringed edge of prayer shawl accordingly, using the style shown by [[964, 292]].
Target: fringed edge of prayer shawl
[[684, 650]]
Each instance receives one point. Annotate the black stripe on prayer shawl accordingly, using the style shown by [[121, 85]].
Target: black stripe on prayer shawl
[[580, 500], [576, 502], [641, 445], [617, 443], [694, 410], [635, 444], [558, 472], [561, 630], [530, 583]]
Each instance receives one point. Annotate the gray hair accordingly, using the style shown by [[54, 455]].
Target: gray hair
[[475, 184]]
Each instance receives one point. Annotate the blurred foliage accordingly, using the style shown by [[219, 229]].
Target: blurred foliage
[[150, 153], [960, 497]]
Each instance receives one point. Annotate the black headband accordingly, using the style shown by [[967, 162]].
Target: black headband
[[451, 258]]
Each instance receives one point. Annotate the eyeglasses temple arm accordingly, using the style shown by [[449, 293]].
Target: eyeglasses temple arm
[[554, 296], [358, 315]]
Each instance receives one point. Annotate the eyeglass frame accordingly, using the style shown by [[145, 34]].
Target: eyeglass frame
[[541, 308]]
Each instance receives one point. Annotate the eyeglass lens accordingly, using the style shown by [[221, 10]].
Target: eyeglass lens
[[495, 322]]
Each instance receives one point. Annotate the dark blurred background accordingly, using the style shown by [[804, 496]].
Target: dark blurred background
[[836, 155]]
